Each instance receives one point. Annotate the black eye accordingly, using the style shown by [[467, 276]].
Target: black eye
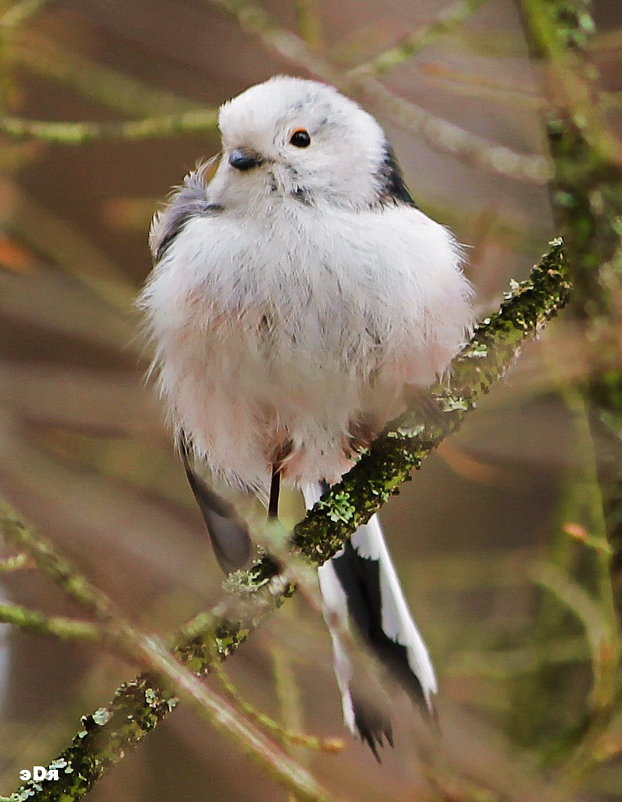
[[300, 138]]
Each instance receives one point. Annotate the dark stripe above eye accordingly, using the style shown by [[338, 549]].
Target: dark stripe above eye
[[392, 185]]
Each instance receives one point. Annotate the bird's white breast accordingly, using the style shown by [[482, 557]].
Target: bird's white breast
[[292, 325]]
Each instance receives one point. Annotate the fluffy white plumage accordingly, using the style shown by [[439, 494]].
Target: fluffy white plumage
[[304, 307], [297, 298]]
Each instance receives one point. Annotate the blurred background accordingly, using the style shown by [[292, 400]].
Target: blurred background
[[85, 457]]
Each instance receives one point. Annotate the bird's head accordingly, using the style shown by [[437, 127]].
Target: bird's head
[[290, 137]]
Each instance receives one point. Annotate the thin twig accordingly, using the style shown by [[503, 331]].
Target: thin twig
[[253, 19], [79, 133], [214, 709], [448, 19], [578, 601], [438, 133], [60, 571], [286, 734], [117, 90], [54, 626], [446, 136], [471, 85], [308, 18]]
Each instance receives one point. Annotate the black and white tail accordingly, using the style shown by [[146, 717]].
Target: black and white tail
[[361, 593]]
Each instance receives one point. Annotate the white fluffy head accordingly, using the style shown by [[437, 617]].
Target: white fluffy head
[[341, 165]]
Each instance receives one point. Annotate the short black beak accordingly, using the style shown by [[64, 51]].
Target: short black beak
[[243, 159]]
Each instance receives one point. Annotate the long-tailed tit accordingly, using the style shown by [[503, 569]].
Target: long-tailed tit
[[297, 299]]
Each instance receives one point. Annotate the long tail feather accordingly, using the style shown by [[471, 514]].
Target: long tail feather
[[361, 591]]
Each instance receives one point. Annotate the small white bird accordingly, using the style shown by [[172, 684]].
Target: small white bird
[[297, 299]]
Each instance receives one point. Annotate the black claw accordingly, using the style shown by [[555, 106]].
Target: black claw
[[275, 489]]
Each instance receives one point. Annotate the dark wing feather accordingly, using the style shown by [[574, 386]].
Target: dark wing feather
[[188, 201], [393, 188], [227, 531]]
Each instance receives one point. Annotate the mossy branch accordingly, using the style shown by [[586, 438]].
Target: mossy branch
[[139, 705], [79, 133], [42, 624], [17, 562]]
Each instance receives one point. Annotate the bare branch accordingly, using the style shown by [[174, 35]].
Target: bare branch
[[309, 25], [283, 733], [442, 134], [55, 626], [60, 571], [438, 133], [450, 17], [79, 133], [116, 90]]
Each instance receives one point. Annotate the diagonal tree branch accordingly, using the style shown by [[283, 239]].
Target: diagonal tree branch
[[448, 19], [139, 705]]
